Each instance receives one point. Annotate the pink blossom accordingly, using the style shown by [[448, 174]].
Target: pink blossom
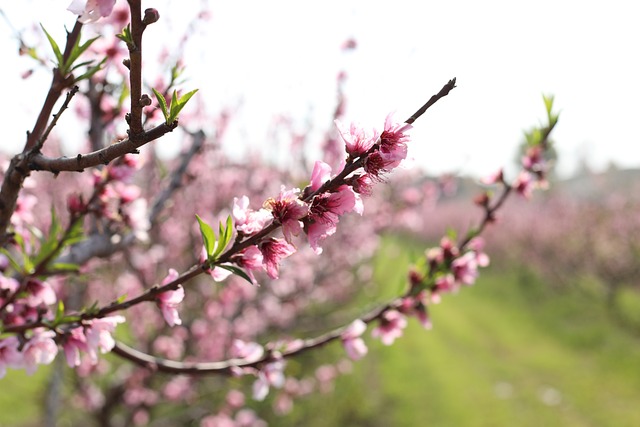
[[39, 292], [9, 284], [325, 211], [235, 398], [10, 356], [391, 325], [246, 220], [250, 259], [356, 139], [495, 178], [168, 301], [320, 174], [524, 184], [273, 251], [445, 283], [219, 274], [288, 209], [477, 246], [98, 334], [465, 268], [393, 142], [353, 344], [246, 350], [271, 375], [40, 349], [91, 10], [72, 344], [533, 159]]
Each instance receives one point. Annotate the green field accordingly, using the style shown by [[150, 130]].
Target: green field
[[506, 352]]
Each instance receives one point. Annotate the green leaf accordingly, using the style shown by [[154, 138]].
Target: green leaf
[[59, 312], [178, 104], [548, 103], [208, 236], [91, 71], [237, 271], [60, 266], [121, 299], [224, 236], [14, 263], [126, 36], [163, 105], [56, 49], [78, 50]]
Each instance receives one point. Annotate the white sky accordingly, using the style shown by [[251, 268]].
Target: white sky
[[282, 56]]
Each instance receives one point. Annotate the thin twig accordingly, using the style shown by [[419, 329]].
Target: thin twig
[[56, 117], [451, 84]]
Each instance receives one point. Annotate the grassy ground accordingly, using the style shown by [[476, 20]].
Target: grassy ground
[[502, 353], [505, 352]]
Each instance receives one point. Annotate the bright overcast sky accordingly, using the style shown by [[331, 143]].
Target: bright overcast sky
[[282, 57]]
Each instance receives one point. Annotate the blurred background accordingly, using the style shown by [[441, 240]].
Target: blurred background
[[550, 334]]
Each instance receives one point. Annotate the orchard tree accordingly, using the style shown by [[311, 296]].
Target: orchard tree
[[200, 273]]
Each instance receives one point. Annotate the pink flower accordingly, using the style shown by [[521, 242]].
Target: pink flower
[[533, 160], [320, 174], [356, 140], [250, 259], [465, 268], [72, 344], [10, 356], [248, 221], [477, 246], [393, 142], [98, 334], [524, 184], [273, 251], [40, 349], [91, 10], [271, 375], [39, 293], [446, 283], [218, 273], [168, 301], [325, 211], [391, 325], [495, 178], [249, 351], [288, 209], [353, 344]]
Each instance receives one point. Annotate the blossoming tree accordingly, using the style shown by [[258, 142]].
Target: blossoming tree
[[201, 279]]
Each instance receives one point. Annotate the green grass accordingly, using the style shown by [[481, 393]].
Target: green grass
[[505, 352]]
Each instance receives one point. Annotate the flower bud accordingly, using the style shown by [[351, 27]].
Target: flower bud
[[150, 16]]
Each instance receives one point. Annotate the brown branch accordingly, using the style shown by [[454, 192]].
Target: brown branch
[[227, 367], [18, 169], [56, 117], [100, 157], [451, 84], [135, 69]]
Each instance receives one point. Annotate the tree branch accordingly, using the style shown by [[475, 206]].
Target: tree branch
[[100, 157]]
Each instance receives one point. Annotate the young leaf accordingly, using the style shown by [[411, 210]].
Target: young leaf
[[91, 71], [126, 36], [178, 104], [59, 312], [56, 49], [78, 50], [59, 266], [224, 236], [163, 105], [208, 236], [237, 271]]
